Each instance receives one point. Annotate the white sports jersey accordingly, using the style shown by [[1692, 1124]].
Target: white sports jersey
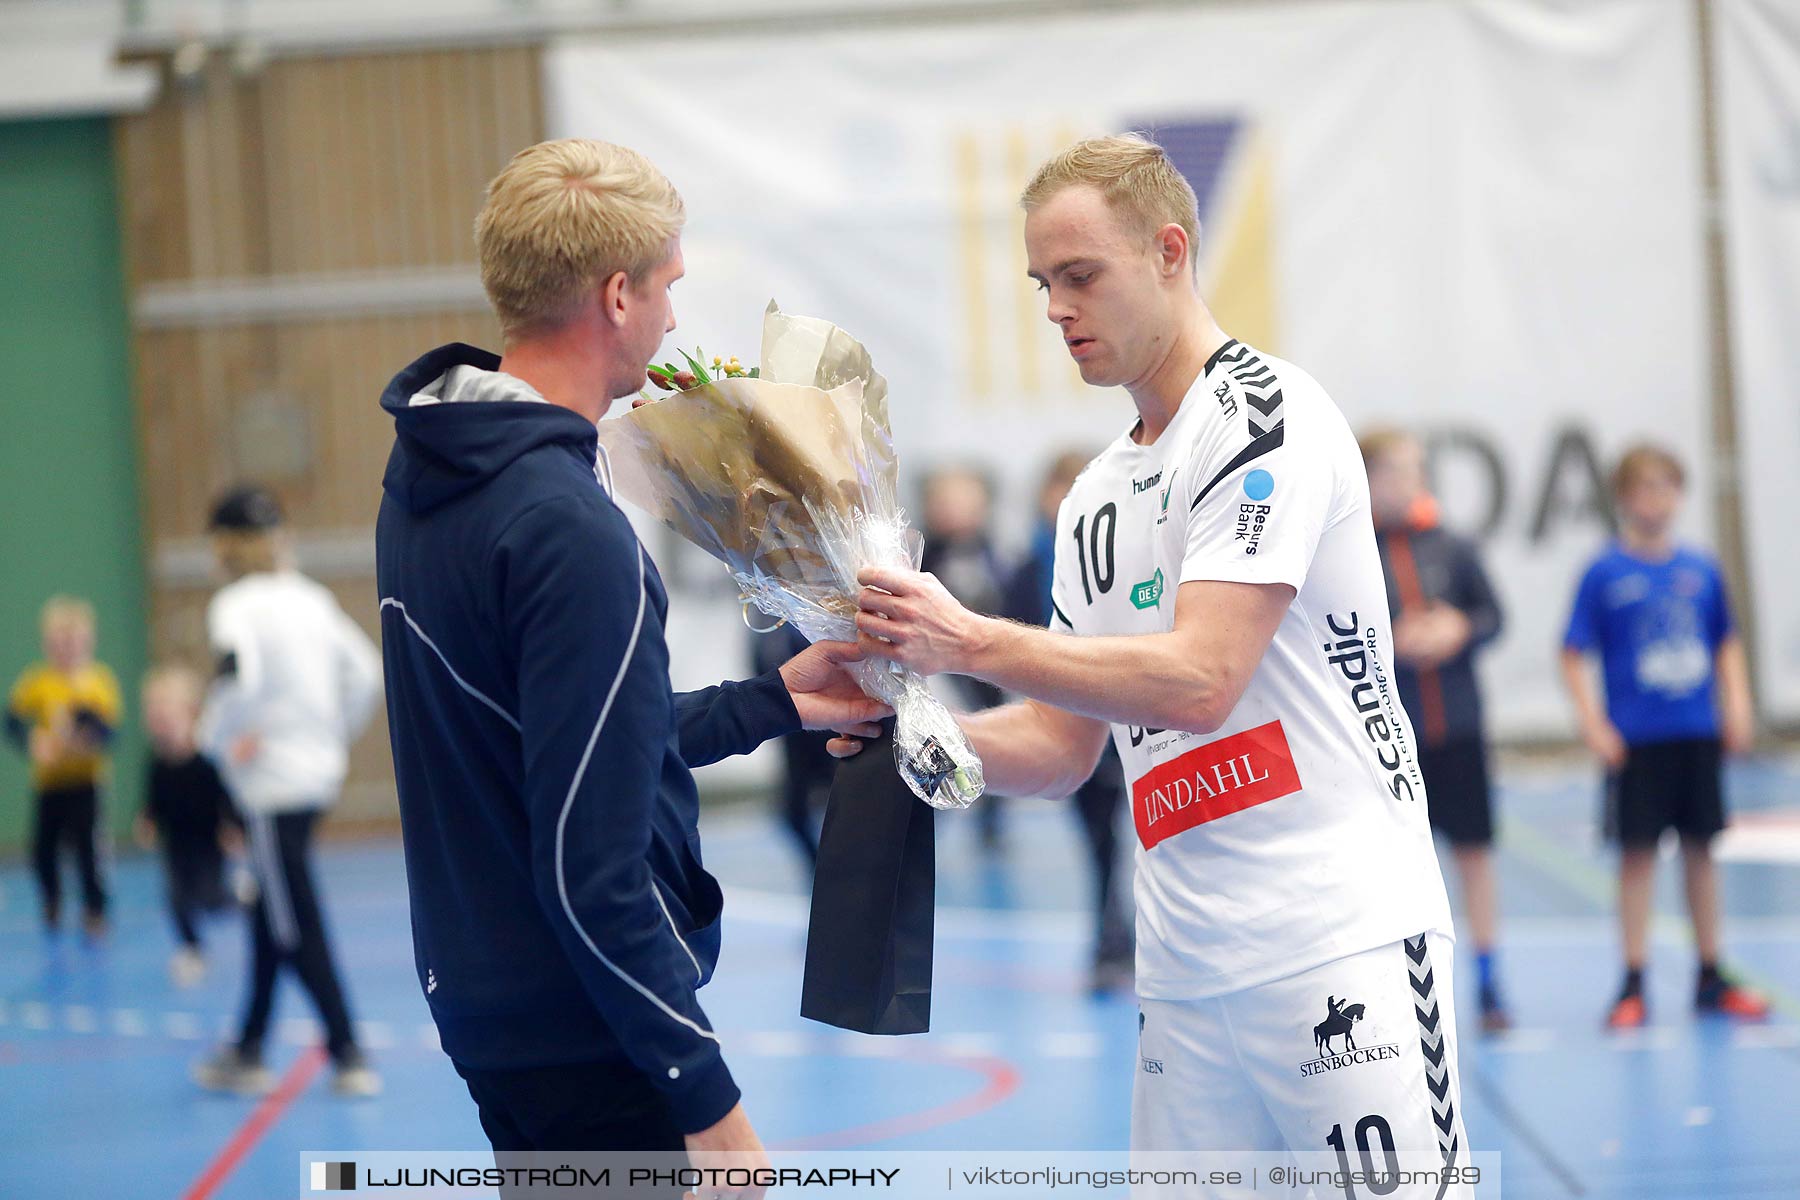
[[298, 673], [1296, 834]]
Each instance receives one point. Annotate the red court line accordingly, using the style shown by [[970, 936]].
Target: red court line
[[1002, 1080], [261, 1118]]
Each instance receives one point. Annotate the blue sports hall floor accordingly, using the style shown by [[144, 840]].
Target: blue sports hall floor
[[95, 1041]]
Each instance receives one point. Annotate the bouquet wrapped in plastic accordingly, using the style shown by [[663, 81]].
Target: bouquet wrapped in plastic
[[787, 475]]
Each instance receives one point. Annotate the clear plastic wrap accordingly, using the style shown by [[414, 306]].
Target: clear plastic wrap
[[790, 481]]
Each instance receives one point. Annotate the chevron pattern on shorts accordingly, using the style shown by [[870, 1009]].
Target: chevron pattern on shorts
[[1432, 1045]]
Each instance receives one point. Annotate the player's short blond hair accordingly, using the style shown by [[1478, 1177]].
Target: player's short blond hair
[[1136, 177], [60, 612], [1377, 444], [565, 216], [178, 684]]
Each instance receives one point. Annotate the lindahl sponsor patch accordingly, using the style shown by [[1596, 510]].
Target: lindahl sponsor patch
[[1212, 781]]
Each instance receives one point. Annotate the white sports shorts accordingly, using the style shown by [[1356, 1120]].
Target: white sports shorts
[[1351, 1059]]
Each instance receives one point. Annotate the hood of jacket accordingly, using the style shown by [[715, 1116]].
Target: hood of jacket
[[458, 422]]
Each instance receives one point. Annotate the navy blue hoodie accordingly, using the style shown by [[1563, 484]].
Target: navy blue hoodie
[[560, 910]]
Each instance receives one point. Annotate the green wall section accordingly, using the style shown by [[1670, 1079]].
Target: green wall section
[[68, 450]]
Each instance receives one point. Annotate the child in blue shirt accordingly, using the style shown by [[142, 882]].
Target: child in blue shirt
[[1677, 695]]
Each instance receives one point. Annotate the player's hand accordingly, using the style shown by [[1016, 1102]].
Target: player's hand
[[244, 750], [231, 839], [1737, 732], [731, 1143], [910, 618], [1603, 740], [143, 832], [45, 746], [827, 698]]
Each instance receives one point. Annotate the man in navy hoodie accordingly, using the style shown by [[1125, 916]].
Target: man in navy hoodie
[[562, 920]]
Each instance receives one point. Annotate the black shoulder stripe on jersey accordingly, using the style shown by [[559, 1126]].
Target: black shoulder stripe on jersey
[[1061, 615], [1224, 353], [1263, 444]]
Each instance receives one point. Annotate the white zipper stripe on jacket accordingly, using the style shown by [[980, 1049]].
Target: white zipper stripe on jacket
[[604, 477], [465, 685], [562, 885]]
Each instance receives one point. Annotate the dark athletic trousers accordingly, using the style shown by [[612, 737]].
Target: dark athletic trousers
[[286, 928], [69, 816]]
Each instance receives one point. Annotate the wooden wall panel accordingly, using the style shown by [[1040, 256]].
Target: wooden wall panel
[[254, 209]]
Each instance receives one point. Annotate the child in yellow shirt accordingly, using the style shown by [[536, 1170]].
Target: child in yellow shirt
[[63, 712]]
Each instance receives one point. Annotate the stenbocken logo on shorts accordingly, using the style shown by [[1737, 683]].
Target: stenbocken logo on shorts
[[1341, 1018]]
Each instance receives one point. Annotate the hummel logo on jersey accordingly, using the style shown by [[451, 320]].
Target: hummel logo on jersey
[[1140, 486], [430, 981], [1340, 1021], [1213, 781], [1266, 423], [1227, 402], [1149, 593]]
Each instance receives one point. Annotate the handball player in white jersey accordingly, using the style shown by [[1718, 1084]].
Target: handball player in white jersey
[[1219, 607]]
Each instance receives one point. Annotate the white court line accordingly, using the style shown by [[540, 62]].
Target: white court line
[[1765, 1037], [967, 1045], [775, 1044], [184, 1026], [129, 1022], [1653, 1038], [34, 1014], [1519, 1041], [375, 1035], [857, 1046], [792, 911], [79, 1018], [1072, 1045]]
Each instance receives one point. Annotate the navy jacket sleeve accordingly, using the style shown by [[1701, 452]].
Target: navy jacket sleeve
[[595, 711], [733, 718]]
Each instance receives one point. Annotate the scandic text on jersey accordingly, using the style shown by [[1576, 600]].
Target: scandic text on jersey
[[1212, 781]]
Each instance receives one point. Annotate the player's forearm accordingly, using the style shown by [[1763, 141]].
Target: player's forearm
[[1021, 755], [1581, 690], [1155, 680], [1733, 671]]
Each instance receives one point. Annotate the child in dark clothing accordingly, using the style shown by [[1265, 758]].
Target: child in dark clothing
[[188, 810]]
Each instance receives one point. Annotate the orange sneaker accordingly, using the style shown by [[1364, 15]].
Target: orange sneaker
[[1629, 1013], [1736, 1001]]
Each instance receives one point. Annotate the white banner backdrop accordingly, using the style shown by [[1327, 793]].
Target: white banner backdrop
[[1479, 220], [1758, 58]]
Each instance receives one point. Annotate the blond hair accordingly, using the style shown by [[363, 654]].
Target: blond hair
[[564, 217], [180, 684], [61, 611], [1643, 459], [1376, 444], [1135, 176]]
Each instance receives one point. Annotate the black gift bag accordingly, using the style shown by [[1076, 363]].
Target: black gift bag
[[868, 943]]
